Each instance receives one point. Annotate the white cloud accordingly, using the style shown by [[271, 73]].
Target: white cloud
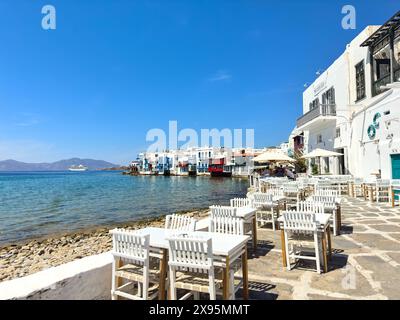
[[221, 75]]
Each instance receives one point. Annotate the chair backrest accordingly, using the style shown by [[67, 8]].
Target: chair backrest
[[131, 245], [190, 253], [223, 211], [276, 192], [358, 180], [262, 199], [300, 221], [290, 188], [229, 225], [310, 206], [326, 185], [241, 202], [326, 192], [383, 183], [395, 182], [328, 201], [180, 222]]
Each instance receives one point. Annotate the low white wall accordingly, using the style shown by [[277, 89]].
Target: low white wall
[[87, 278]]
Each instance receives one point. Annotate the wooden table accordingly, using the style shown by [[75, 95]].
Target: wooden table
[[225, 248], [324, 221], [393, 191]]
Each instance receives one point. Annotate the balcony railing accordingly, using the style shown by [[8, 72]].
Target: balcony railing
[[321, 110], [377, 86]]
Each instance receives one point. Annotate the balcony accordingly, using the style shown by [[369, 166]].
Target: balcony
[[321, 111], [379, 86]]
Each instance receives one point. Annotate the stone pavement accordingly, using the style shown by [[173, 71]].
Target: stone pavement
[[365, 262]]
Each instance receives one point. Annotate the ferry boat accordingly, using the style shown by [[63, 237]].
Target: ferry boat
[[218, 168], [78, 168]]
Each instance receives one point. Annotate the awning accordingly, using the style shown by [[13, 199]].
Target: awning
[[273, 156], [321, 153], [383, 31]]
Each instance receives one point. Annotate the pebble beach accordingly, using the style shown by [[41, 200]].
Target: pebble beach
[[18, 260]]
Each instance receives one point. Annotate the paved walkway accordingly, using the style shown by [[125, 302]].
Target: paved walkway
[[365, 263]]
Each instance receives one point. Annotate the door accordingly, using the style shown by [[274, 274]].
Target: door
[[342, 168], [395, 166]]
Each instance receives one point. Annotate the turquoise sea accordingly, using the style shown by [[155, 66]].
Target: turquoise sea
[[36, 204]]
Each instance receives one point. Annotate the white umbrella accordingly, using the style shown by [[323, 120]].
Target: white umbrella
[[321, 153], [273, 156]]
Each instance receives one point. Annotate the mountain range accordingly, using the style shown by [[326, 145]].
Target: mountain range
[[62, 165]]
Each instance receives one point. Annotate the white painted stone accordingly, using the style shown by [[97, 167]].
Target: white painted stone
[[87, 278]]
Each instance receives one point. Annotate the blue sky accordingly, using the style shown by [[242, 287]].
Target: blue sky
[[114, 69]]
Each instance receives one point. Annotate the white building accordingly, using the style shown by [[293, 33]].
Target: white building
[[354, 107]]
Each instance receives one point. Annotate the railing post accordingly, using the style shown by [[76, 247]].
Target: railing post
[[392, 57]]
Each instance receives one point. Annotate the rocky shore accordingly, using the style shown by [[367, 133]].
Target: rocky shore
[[18, 260]]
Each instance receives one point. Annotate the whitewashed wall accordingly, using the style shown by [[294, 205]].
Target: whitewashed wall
[[362, 156], [368, 156], [83, 279]]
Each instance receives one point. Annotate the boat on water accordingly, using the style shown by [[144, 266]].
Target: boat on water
[[78, 168]]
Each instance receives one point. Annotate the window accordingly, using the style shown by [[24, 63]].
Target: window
[[328, 97], [360, 80], [319, 138], [338, 132], [314, 104]]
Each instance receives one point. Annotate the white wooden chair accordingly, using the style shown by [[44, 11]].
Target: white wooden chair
[[180, 223], [326, 192], [310, 206], [265, 205], [396, 183], [235, 226], [331, 205], [223, 211], [326, 184], [229, 225], [292, 191], [356, 187], [382, 190], [277, 192], [133, 265], [191, 267], [299, 229], [241, 202]]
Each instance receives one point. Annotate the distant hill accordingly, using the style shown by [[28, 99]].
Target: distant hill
[[13, 165]]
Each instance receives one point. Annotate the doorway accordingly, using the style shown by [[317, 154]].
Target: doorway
[[342, 167], [395, 166]]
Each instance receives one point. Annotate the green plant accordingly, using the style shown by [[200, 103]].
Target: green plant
[[314, 169], [301, 164]]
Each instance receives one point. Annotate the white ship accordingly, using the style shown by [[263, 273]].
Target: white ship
[[78, 168]]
